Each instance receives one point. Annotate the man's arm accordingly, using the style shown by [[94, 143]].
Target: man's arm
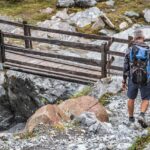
[[126, 67]]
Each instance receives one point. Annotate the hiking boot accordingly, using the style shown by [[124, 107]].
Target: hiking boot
[[131, 122], [142, 122]]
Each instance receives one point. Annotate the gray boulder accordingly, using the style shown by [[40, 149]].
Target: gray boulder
[[6, 118], [29, 92], [132, 14], [99, 24], [85, 3], [106, 85], [147, 14], [65, 3], [86, 17]]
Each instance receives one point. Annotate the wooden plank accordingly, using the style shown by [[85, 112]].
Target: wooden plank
[[50, 72], [58, 61], [86, 82], [116, 53], [93, 62], [116, 68], [11, 23], [51, 68], [83, 46]]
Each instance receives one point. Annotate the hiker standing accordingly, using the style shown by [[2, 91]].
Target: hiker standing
[[137, 70]]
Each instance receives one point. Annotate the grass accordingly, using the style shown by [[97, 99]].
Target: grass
[[28, 10], [104, 99], [85, 91], [121, 6], [141, 142]]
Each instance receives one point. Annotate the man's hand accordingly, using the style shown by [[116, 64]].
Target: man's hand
[[124, 86]]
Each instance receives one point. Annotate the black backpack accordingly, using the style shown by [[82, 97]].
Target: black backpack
[[139, 65]]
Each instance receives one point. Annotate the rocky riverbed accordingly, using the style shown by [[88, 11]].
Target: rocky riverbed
[[89, 134]]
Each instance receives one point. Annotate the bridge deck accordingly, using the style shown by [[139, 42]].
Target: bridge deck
[[36, 64]]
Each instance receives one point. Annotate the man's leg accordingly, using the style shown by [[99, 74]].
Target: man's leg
[[131, 110], [132, 94], [144, 106], [145, 95], [131, 107]]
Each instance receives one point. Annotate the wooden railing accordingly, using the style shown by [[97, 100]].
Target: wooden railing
[[97, 65]]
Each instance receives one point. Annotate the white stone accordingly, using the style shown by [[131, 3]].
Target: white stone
[[47, 10], [147, 14], [123, 25]]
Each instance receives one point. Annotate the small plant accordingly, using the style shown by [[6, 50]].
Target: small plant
[[104, 99], [140, 142], [85, 91]]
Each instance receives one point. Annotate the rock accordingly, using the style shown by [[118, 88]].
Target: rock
[[85, 3], [110, 3], [84, 18], [65, 3], [123, 25], [127, 19], [4, 27], [102, 146], [29, 92], [107, 21], [86, 119], [99, 24], [56, 24], [62, 14], [79, 105], [106, 85], [48, 10], [132, 14], [49, 114], [147, 147], [147, 14], [123, 146], [6, 118], [107, 32]]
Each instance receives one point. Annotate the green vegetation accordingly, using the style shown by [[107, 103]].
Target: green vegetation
[[141, 142], [83, 92], [104, 100], [28, 9]]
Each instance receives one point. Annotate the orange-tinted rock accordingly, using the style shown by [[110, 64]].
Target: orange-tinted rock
[[49, 114], [85, 103]]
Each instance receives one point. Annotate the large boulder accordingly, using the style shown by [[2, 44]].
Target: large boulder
[[6, 118], [49, 114], [65, 3], [85, 3], [76, 106], [56, 23], [147, 14], [106, 85], [84, 18], [29, 92]]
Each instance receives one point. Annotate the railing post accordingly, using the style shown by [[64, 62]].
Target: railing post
[[27, 32], [104, 60], [2, 50]]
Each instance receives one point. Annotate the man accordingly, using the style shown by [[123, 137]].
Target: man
[[136, 70]]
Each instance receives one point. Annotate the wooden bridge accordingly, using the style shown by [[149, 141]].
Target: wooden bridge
[[48, 64]]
